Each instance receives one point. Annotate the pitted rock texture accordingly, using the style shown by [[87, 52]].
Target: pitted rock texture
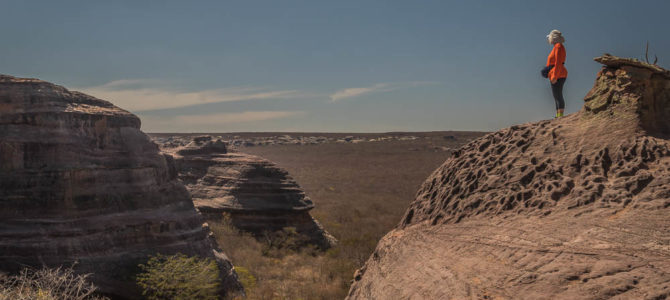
[[572, 208], [258, 196], [79, 182]]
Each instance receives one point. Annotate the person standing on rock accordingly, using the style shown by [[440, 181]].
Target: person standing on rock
[[555, 70]]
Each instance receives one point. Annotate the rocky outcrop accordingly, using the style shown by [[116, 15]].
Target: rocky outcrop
[[572, 208], [258, 196], [79, 182], [634, 89]]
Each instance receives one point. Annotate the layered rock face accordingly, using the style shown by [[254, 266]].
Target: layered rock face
[[572, 208], [258, 196], [79, 182]]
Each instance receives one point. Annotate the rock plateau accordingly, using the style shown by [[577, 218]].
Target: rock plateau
[[79, 182], [571, 208], [257, 196]]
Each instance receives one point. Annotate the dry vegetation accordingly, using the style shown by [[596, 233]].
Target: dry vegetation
[[360, 191], [280, 273], [179, 277], [47, 284]]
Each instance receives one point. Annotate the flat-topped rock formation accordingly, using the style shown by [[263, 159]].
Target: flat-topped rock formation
[[571, 208], [257, 195], [79, 182]]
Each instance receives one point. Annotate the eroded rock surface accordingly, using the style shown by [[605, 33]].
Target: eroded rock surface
[[79, 182], [258, 196], [572, 208]]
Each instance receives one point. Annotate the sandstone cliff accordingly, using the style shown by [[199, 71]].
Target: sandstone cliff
[[80, 182], [571, 208], [258, 196]]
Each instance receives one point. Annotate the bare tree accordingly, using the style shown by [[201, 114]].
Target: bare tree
[[646, 55]]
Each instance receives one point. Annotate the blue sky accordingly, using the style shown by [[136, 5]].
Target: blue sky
[[337, 66]]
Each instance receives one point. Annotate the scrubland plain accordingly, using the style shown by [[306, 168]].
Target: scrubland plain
[[360, 191]]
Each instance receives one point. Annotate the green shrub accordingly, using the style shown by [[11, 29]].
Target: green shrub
[[285, 241], [247, 279], [179, 277]]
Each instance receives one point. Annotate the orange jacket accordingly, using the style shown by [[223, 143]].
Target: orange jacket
[[557, 58]]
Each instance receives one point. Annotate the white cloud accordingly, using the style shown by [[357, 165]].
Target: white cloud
[[129, 84], [379, 87], [215, 122], [354, 92], [227, 118], [138, 95]]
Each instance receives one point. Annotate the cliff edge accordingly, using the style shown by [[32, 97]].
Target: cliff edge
[[570, 208], [79, 182]]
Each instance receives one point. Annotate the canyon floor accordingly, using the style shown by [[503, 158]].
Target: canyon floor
[[361, 184]]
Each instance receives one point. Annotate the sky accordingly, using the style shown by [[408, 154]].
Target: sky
[[324, 66]]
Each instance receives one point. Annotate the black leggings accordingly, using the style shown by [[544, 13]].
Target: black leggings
[[557, 91]]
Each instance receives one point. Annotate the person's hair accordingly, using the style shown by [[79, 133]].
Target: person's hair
[[555, 36]]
